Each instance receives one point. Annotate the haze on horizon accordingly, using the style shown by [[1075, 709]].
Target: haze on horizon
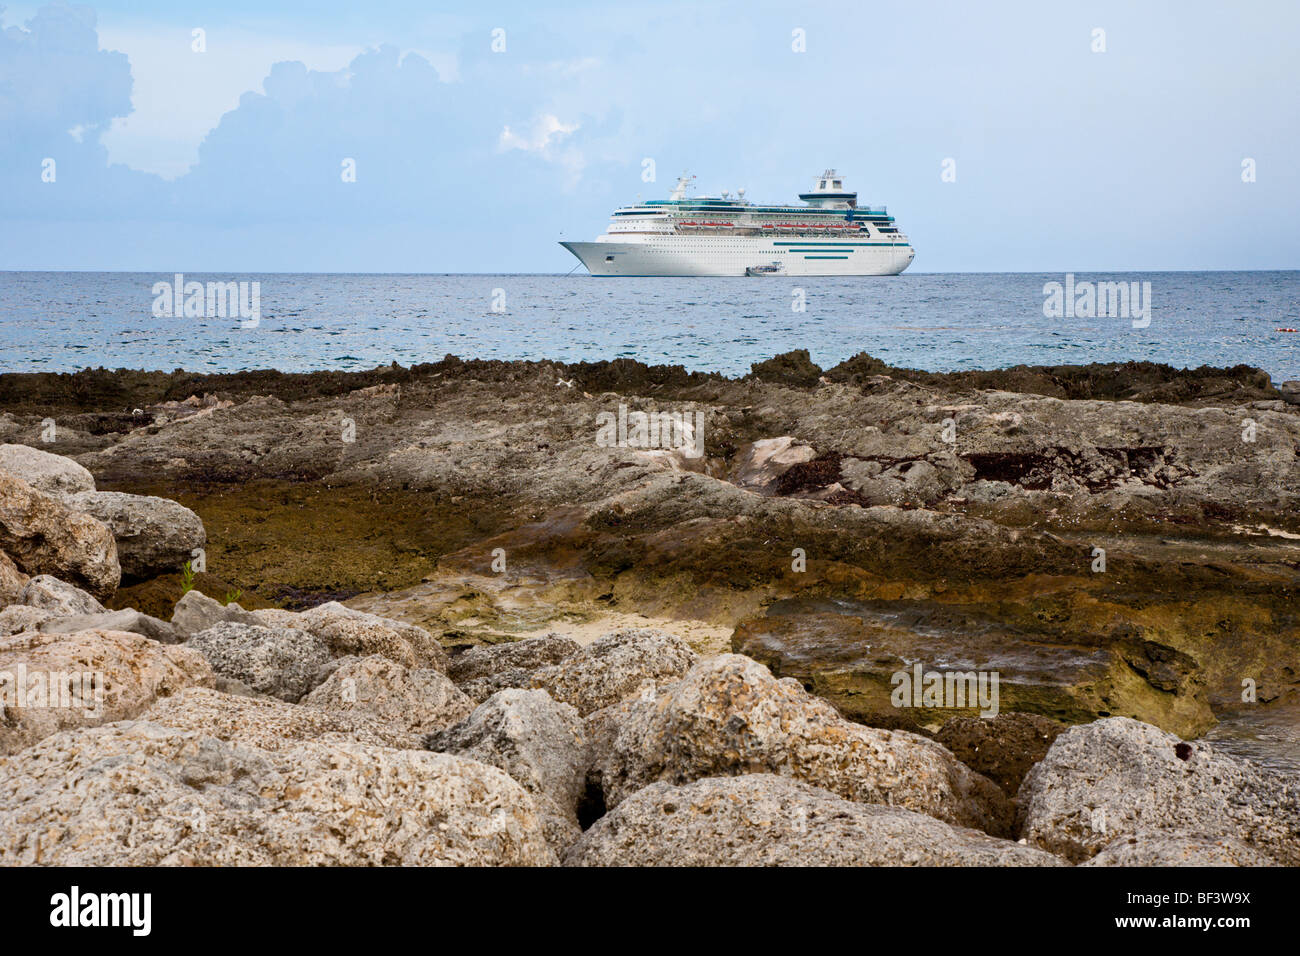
[[470, 159]]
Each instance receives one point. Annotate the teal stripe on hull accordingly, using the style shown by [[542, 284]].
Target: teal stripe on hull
[[836, 245]]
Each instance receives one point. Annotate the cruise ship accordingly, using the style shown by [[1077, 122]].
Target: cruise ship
[[830, 235]]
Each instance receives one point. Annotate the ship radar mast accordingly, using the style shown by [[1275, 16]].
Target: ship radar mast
[[684, 182], [829, 193]]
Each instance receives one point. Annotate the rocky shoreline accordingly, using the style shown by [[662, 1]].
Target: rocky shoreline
[[436, 617]]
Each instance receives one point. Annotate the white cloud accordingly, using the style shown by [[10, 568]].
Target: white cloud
[[179, 95], [545, 128]]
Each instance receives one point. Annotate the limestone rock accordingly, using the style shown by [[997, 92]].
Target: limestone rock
[[420, 701], [1116, 776], [43, 536], [729, 716], [12, 581], [483, 670], [348, 632], [59, 598], [137, 793], [1177, 848], [154, 535], [769, 820], [195, 612], [761, 464], [49, 474], [17, 618], [535, 739], [279, 661], [614, 666], [127, 619], [271, 724], [84, 679]]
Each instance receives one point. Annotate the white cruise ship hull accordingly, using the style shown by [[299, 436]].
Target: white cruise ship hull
[[732, 255]]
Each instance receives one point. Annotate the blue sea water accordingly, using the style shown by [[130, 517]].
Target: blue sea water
[[63, 321]]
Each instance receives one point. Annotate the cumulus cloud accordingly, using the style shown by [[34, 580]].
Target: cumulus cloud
[[545, 128]]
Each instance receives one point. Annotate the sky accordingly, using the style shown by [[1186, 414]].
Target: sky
[[481, 134]]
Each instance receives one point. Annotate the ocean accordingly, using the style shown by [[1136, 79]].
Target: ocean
[[64, 321]]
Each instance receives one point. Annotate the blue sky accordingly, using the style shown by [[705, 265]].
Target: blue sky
[[469, 160]]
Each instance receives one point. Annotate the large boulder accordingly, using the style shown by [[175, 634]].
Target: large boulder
[[17, 618], [538, 741], [59, 598], [195, 612], [1177, 848], [44, 536], [1118, 776], [137, 793], [53, 682], [271, 724], [355, 633], [770, 820], [483, 670], [12, 581], [614, 666], [127, 619], [154, 535], [49, 474], [729, 716], [278, 661], [418, 701]]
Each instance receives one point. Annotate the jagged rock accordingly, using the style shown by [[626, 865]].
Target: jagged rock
[[279, 661], [730, 716], [761, 464], [1290, 393], [1178, 848], [535, 739], [154, 535], [614, 666], [354, 633], [96, 677], [271, 724], [789, 368], [128, 619], [12, 581], [420, 701], [141, 794], [59, 598], [277, 617], [195, 612], [44, 536], [483, 670], [1002, 748], [769, 820], [49, 474], [1117, 776], [17, 618]]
